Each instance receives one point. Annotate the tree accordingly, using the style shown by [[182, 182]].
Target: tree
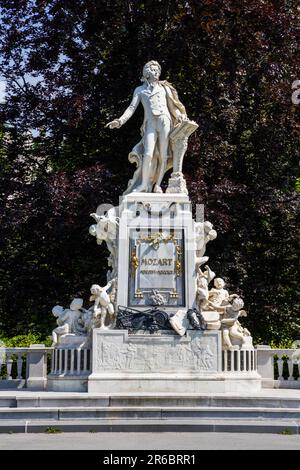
[[71, 66]]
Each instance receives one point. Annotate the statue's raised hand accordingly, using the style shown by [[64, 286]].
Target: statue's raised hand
[[114, 124]]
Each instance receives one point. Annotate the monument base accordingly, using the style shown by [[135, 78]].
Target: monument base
[[164, 363]]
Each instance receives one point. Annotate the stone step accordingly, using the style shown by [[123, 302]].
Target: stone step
[[148, 425], [63, 400], [157, 413]]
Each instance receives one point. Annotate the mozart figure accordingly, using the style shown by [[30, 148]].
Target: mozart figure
[[163, 112]]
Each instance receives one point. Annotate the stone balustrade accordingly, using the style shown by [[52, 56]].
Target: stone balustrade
[[67, 361], [70, 367], [27, 367], [24, 367], [240, 361], [277, 367]]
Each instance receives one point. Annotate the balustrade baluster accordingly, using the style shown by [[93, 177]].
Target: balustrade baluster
[[66, 361], [2, 360], [52, 361], [60, 353], [251, 360], [280, 368], [19, 366], [242, 359], [9, 363], [55, 361], [225, 361], [85, 360], [290, 368], [238, 361], [78, 360], [72, 362], [247, 360]]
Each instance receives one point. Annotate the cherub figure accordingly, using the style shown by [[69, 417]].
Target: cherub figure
[[86, 322], [106, 230], [231, 327], [203, 279], [204, 233], [217, 296], [102, 302], [67, 319]]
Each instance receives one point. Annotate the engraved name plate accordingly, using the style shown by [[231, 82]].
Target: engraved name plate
[[156, 270]]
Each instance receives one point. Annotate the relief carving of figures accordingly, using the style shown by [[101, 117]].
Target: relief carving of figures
[[112, 356], [131, 355], [203, 353], [192, 355]]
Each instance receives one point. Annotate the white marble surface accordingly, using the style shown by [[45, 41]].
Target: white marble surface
[[157, 213], [166, 352]]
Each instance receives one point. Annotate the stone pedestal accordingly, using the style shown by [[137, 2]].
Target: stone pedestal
[[156, 251], [265, 365], [157, 289], [36, 367], [163, 362]]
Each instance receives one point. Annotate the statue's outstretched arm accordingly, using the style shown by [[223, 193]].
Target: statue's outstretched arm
[[128, 113]]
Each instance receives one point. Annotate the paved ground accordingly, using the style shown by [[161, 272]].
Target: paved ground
[[148, 441]]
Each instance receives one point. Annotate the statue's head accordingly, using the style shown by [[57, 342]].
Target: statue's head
[[219, 283], [58, 310], [237, 304], [76, 304], [96, 289], [207, 226], [151, 68]]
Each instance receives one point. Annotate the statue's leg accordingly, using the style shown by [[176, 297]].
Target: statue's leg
[[233, 331], [226, 338], [150, 137], [54, 337], [110, 309], [164, 127], [103, 317]]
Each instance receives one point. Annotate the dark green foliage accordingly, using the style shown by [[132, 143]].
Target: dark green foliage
[[24, 341], [233, 64]]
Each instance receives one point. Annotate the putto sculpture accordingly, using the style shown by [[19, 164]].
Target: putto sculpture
[[164, 132], [79, 321], [102, 303], [67, 320]]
